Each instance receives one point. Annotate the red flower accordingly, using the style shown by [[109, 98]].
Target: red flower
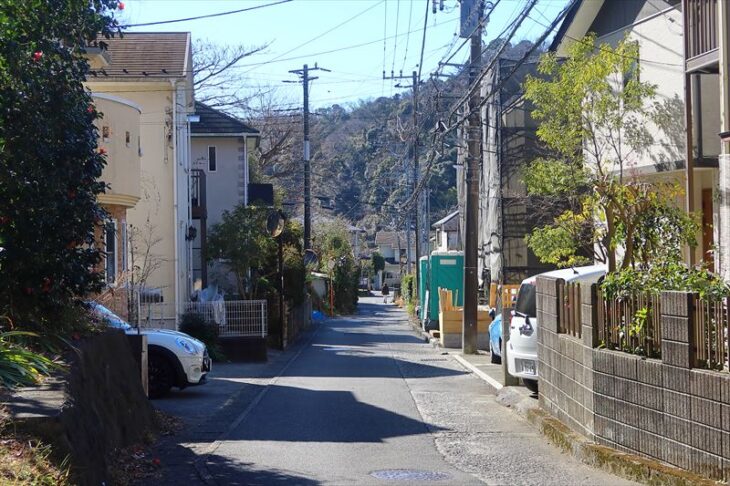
[[102, 151], [4, 220], [46, 285], [37, 55], [90, 109], [156, 462], [76, 336], [28, 291], [71, 194], [120, 5]]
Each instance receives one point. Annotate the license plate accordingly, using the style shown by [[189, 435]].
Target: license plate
[[528, 367]]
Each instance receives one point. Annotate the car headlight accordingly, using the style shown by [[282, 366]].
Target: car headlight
[[186, 346]]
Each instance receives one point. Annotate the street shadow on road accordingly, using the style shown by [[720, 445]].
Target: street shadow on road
[[234, 473], [292, 414]]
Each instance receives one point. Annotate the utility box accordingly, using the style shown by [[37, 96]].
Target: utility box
[[446, 271]]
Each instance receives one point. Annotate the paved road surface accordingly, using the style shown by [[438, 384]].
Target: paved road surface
[[367, 402]]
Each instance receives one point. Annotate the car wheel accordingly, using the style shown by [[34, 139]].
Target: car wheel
[[531, 385], [160, 375], [495, 359]]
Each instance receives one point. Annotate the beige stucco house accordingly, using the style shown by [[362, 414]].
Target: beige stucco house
[[220, 175], [657, 27], [150, 74]]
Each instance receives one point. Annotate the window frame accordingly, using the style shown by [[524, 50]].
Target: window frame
[[215, 158], [112, 225]]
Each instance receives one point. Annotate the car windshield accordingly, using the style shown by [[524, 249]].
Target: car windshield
[[111, 318], [526, 300]]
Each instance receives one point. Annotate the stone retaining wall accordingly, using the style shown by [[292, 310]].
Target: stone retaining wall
[[662, 409]]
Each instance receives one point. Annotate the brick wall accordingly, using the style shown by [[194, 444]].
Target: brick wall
[[663, 409]]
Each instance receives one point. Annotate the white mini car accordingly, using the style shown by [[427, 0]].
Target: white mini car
[[522, 344], [173, 358]]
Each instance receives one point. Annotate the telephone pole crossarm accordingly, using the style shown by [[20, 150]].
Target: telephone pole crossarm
[[305, 80]]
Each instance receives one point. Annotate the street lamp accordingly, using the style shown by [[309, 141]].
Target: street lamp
[[275, 224]]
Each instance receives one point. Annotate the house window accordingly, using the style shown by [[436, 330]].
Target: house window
[[212, 162], [123, 245], [110, 244], [127, 138]]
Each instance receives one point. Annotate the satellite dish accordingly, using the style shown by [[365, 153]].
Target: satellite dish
[[311, 259], [275, 223]]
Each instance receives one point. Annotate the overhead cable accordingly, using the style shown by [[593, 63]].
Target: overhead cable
[[208, 16]]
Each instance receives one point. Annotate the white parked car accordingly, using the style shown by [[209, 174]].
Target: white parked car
[[522, 344], [173, 358]]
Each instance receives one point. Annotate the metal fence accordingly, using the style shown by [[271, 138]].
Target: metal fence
[[631, 324], [240, 318], [711, 333], [569, 315]]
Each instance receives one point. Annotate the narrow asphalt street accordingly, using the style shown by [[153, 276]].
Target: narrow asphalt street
[[364, 401]]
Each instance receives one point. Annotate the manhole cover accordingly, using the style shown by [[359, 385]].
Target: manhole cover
[[410, 475]]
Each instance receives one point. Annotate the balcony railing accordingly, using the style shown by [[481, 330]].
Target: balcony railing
[[701, 30]]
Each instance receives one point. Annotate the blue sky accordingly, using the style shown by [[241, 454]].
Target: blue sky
[[325, 31]]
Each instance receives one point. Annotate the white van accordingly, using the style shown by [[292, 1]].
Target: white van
[[522, 344]]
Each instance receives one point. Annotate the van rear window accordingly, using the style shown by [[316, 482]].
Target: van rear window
[[526, 300]]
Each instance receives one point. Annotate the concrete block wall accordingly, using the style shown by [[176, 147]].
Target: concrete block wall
[[663, 409], [565, 364]]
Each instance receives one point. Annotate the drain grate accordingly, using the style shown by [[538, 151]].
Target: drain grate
[[434, 359], [410, 475]]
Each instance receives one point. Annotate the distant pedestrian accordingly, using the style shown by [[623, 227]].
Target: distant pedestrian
[[386, 291]]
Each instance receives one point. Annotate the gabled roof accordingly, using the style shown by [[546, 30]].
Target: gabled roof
[[391, 238], [445, 220], [147, 54], [215, 122], [576, 24], [604, 17]]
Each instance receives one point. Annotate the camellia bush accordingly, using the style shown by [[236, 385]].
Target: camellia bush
[[49, 162]]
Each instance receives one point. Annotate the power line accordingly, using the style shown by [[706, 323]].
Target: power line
[[324, 33], [408, 39], [208, 16], [395, 44], [423, 41]]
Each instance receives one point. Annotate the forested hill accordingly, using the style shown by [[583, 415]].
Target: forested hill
[[362, 157]]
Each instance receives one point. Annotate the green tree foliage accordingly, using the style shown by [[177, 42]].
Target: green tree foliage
[[49, 163], [595, 100], [241, 240], [333, 245], [243, 243], [377, 262]]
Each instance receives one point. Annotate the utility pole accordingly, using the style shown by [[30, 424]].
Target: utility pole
[[305, 79], [471, 283], [417, 206]]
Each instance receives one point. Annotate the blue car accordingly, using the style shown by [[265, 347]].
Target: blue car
[[495, 338]]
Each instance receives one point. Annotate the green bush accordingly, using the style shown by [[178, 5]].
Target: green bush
[[408, 288], [672, 276], [20, 366], [194, 324]]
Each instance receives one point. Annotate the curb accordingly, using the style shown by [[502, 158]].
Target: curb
[[622, 464], [488, 379], [619, 463]]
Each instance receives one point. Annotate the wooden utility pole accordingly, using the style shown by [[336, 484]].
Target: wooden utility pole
[[474, 131], [417, 206], [305, 79]]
